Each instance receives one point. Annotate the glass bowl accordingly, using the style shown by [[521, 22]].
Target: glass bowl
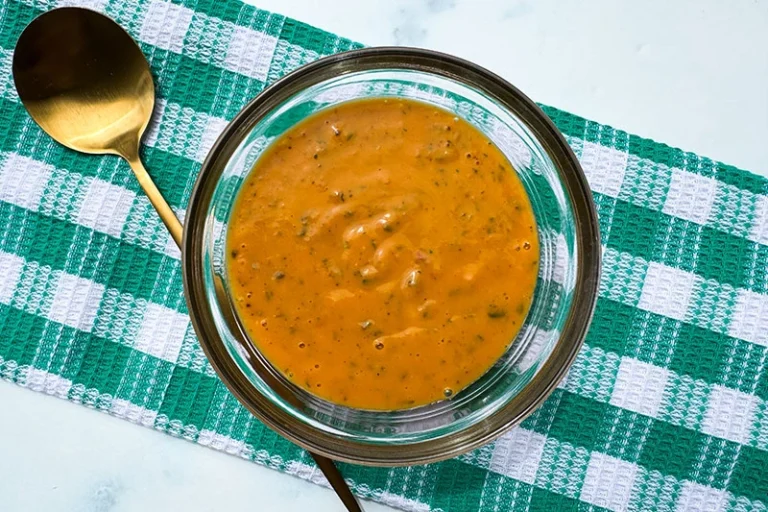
[[564, 299]]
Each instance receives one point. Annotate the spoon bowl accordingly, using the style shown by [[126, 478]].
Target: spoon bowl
[[84, 81]]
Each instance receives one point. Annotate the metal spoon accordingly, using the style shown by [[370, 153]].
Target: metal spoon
[[86, 83]]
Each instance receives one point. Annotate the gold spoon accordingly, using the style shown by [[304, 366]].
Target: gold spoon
[[86, 83]]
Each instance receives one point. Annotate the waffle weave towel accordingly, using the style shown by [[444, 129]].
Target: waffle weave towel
[[666, 407]]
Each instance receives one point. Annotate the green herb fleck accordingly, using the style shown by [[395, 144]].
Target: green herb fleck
[[495, 311]]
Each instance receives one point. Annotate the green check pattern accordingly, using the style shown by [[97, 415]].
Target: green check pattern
[[666, 407]]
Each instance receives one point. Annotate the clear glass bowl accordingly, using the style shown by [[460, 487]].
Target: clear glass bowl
[[563, 301]]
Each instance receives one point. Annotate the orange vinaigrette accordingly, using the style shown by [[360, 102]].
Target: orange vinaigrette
[[382, 254]]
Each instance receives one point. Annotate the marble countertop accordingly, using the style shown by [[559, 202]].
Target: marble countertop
[[693, 74]]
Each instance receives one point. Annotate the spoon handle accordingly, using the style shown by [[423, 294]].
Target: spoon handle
[[334, 477], [156, 198], [176, 229]]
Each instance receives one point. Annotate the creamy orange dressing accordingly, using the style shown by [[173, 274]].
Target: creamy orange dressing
[[382, 254]]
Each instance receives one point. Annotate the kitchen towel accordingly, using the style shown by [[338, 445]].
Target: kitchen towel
[[665, 408]]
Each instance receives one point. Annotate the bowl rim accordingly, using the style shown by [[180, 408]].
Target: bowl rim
[[588, 254]]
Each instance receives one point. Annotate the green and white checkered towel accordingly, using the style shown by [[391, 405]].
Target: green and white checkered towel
[[666, 407]]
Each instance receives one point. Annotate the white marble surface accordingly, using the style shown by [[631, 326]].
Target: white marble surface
[[690, 73]]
